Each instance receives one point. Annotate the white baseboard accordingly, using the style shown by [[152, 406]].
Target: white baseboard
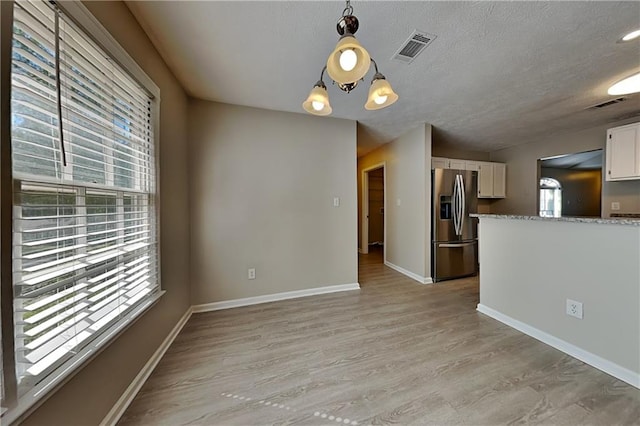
[[235, 303], [114, 415], [413, 276], [593, 360]]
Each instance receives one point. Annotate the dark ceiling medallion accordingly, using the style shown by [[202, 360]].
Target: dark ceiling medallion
[[348, 87], [347, 24]]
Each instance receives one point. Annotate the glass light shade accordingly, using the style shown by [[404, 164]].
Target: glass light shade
[[363, 61], [318, 96], [380, 89], [629, 85]]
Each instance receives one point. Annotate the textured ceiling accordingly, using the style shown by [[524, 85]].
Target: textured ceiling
[[589, 160], [498, 74]]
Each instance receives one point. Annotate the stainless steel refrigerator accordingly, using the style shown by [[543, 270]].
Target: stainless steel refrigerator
[[454, 251]]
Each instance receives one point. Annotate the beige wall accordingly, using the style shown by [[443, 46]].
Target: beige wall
[[447, 151], [408, 174], [581, 190], [90, 394], [522, 172], [531, 267], [262, 189], [626, 193]]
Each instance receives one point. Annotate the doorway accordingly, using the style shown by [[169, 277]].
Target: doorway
[[374, 228], [570, 184]]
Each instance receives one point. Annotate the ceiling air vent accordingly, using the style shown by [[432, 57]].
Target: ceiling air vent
[[608, 103], [414, 45]]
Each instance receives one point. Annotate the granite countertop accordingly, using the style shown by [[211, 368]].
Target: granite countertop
[[612, 221]]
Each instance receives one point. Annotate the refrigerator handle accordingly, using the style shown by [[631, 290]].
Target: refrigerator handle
[[463, 195], [454, 201], [458, 195]]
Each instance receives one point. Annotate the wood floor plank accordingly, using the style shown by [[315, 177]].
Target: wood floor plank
[[395, 352]]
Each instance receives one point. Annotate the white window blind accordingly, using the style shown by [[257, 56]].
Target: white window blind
[[85, 243]]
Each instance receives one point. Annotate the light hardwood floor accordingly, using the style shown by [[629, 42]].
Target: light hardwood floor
[[393, 352]]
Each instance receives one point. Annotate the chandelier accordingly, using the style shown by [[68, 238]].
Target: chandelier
[[347, 65]]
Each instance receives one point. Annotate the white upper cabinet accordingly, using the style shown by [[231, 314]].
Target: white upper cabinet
[[472, 165], [439, 163], [448, 163], [492, 179], [457, 164], [485, 180], [623, 152], [491, 176]]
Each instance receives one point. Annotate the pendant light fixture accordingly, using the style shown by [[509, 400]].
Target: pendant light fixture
[[347, 65]]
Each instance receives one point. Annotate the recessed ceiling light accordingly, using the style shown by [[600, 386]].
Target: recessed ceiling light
[[631, 36], [626, 86]]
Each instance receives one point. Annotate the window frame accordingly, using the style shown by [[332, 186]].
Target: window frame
[[14, 408], [546, 183]]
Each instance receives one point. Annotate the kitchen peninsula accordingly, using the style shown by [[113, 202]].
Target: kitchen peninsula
[[535, 272]]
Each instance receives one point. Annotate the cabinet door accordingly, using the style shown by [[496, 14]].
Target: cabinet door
[[457, 164], [485, 180], [499, 180], [439, 163], [471, 165], [623, 153]]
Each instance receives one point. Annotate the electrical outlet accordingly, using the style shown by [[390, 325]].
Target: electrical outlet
[[615, 205], [251, 273], [574, 309], [336, 201]]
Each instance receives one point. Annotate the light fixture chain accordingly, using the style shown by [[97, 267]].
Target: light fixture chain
[[348, 10]]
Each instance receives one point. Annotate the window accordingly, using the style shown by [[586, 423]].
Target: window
[[550, 197], [85, 252]]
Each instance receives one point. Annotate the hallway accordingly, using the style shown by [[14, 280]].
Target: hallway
[[374, 257]]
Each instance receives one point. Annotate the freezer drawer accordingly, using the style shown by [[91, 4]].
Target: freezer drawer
[[454, 259]]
